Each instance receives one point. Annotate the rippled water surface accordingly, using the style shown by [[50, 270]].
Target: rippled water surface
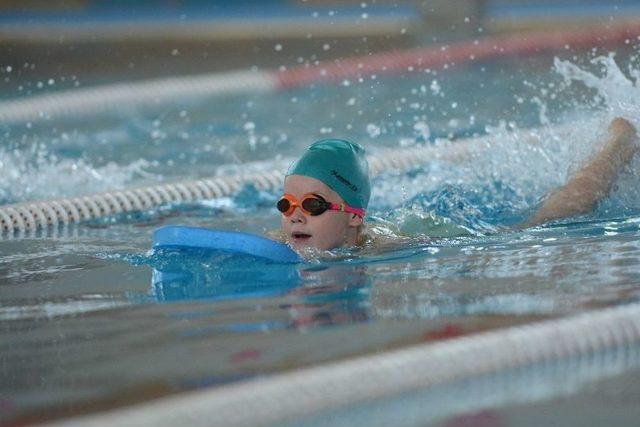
[[83, 328]]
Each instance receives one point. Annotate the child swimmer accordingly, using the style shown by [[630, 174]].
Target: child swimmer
[[326, 192]]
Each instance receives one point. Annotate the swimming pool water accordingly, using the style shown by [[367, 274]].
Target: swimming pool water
[[83, 329]]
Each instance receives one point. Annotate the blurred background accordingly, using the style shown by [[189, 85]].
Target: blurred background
[[82, 42], [82, 326]]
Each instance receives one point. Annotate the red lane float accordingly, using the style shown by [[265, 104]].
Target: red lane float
[[458, 53], [151, 93]]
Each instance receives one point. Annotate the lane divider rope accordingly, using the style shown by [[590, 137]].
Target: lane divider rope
[[301, 394], [482, 49], [33, 216], [81, 102]]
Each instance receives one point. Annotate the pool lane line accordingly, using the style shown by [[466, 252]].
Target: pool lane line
[[481, 49], [27, 217], [77, 103], [596, 344], [88, 101]]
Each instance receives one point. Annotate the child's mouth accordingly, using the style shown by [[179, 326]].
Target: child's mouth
[[300, 237]]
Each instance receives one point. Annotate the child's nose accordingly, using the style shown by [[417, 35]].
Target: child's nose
[[298, 216]]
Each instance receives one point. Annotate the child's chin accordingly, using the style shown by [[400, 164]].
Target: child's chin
[[308, 251], [303, 243]]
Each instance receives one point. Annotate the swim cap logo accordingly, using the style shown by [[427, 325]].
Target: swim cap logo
[[344, 180]]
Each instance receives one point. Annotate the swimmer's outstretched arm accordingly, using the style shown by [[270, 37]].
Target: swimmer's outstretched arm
[[594, 181]]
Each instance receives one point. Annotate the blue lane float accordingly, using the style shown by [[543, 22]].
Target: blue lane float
[[200, 263]]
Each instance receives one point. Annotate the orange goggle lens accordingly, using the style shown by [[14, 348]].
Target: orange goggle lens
[[313, 205], [310, 205]]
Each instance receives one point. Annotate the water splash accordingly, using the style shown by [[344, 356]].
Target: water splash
[[504, 177], [34, 175], [501, 179], [619, 92]]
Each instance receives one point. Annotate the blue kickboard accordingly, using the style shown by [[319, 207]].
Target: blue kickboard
[[175, 236]]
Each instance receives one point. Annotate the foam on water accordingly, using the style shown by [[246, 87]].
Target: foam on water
[[41, 177]]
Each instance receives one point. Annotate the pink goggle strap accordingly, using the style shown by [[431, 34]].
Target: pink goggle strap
[[344, 208]]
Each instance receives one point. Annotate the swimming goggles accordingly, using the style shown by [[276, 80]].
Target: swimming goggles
[[313, 204]]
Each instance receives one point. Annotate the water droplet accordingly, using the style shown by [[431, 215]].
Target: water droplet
[[373, 130], [435, 87], [422, 130]]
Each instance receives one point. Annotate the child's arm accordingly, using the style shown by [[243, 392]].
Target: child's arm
[[594, 181]]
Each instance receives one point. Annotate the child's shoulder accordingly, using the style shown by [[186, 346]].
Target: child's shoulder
[[381, 237]]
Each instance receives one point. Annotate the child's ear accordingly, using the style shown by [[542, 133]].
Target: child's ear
[[355, 221]]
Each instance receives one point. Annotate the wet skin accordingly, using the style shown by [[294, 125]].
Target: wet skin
[[326, 231]]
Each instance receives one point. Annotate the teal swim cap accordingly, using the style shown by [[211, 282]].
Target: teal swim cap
[[339, 164]]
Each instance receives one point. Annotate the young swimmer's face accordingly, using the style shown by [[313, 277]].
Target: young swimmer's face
[[331, 229]]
